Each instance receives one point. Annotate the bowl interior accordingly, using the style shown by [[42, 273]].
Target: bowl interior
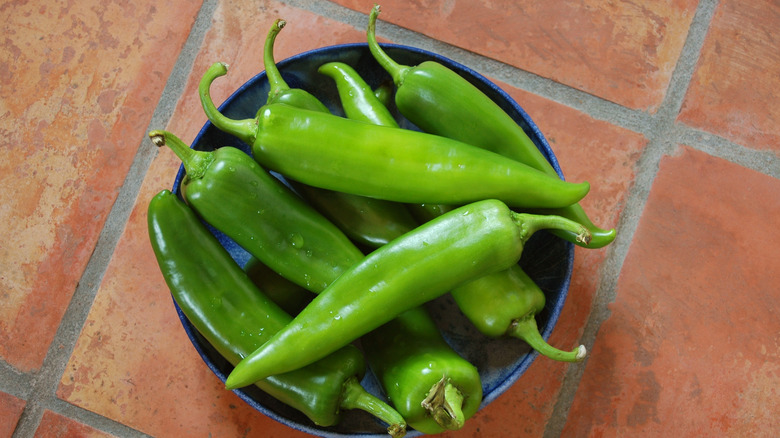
[[547, 259]]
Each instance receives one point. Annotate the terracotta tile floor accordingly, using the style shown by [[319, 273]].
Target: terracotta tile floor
[[671, 110]]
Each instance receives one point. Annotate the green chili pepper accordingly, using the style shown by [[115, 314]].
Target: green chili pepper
[[429, 383], [509, 298], [503, 303], [222, 303], [352, 214], [260, 208], [499, 304], [369, 222], [440, 101], [468, 242], [335, 153]]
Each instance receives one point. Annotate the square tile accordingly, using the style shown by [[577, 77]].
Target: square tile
[[734, 90], [56, 426], [692, 338], [80, 83], [624, 52]]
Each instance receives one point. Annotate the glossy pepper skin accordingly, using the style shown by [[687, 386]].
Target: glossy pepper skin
[[357, 98], [453, 398], [441, 102], [367, 221], [215, 295], [468, 242], [385, 93], [335, 153], [265, 217], [429, 383], [521, 299], [432, 386], [503, 303]]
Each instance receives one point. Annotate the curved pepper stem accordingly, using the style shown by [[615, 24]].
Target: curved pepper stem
[[531, 223], [275, 80], [445, 403], [525, 328], [396, 70], [599, 236], [244, 129], [354, 396], [195, 162]]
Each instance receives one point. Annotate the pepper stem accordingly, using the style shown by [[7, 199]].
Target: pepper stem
[[531, 223], [525, 328], [195, 162], [396, 70], [599, 236], [243, 129], [275, 81], [355, 396], [445, 404]]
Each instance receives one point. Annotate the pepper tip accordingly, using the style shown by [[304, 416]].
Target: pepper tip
[[230, 382]]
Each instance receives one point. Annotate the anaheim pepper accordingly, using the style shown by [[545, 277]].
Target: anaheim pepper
[[216, 297], [463, 244], [335, 153], [440, 101]]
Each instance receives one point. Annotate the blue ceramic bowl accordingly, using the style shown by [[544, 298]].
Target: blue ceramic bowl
[[548, 260]]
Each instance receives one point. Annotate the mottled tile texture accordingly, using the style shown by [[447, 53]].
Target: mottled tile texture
[[692, 339], [79, 84], [56, 426], [734, 89], [10, 411], [624, 52], [133, 362]]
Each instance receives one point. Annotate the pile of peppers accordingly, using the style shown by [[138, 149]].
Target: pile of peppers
[[346, 254]]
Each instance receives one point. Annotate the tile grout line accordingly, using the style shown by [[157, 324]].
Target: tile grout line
[[591, 105], [660, 143], [40, 394]]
